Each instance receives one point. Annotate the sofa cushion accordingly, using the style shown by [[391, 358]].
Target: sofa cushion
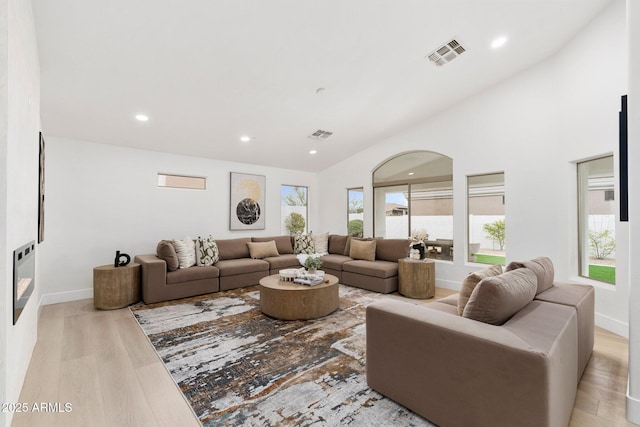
[[303, 244], [495, 299], [363, 249], [392, 249], [320, 242], [206, 251], [541, 266], [283, 243], [259, 250], [195, 273], [233, 248], [471, 281], [338, 244], [382, 269], [232, 267], [167, 252], [186, 251], [334, 261], [282, 261]]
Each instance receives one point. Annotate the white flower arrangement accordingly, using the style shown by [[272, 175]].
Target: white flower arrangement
[[418, 237]]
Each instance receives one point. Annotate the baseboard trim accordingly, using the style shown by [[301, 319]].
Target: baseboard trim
[[59, 297], [633, 408], [612, 325]]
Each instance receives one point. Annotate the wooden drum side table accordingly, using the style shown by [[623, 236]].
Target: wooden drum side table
[[292, 301], [116, 287], [417, 278]]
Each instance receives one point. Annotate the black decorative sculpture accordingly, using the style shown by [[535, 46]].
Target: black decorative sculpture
[[121, 263], [420, 248]]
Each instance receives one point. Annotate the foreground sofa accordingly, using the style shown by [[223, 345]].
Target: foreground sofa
[[374, 266], [511, 369]]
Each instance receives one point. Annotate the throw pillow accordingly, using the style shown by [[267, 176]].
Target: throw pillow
[[206, 251], [363, 249], [259, 250], [495, 299], [303, 244], [186, 251], [167, 252], [542, 267], [321, 242], [471, 281]]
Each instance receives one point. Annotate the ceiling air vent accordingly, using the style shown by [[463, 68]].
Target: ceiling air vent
[[320, 134], [446, 53]]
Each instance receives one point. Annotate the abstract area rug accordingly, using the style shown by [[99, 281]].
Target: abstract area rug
[[237, 366]]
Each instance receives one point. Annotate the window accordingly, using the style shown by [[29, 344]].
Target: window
[[413, 192], [597, 220], [293, 200], [182, 181], [486, 226], [355, 211]]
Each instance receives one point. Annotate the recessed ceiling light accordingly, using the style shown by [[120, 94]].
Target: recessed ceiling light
[[313, 151], [498, 42], [411, 173], [142, 118], [245, 138]]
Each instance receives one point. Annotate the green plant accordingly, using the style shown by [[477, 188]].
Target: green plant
[[496, 231], [601, 243], [356, 206], [356, 228], [312, 263], [294, 223], [297, 198]]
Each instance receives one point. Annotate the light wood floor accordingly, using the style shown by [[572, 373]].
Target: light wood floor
[[101, 363]]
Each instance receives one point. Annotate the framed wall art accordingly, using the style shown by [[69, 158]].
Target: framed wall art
[[247, 206]]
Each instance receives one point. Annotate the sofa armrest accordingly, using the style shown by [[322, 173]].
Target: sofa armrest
[[154, 274], [456, 371]]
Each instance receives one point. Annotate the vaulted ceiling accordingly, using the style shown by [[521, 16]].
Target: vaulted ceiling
[[207, 72]]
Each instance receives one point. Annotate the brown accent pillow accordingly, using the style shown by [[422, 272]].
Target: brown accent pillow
[[541, 266], [167, 252], [363, 249], [495, 299], [259, 250], [469, 284], [338, 244], [283, 243]]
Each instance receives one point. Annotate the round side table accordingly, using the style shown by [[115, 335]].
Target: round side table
[[417, 278], [116, 287]]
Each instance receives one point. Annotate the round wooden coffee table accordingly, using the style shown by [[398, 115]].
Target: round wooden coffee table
[[291, 301]]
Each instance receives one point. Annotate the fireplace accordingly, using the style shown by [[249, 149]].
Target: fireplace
[[24, 272]]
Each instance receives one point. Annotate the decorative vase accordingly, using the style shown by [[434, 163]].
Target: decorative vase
[[312, 271], [420, 248]]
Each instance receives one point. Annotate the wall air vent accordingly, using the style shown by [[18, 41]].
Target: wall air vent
[[446, 53], [320, 134]]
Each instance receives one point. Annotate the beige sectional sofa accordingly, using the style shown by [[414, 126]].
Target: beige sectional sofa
[[162, 280], [235, 269], [455, 370], [379, 272]]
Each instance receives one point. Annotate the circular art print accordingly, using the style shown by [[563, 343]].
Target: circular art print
[[248, 211]]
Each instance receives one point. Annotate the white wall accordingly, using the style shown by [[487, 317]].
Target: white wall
[[533, 127], [4, 257], [102, 198], [19, 160]]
